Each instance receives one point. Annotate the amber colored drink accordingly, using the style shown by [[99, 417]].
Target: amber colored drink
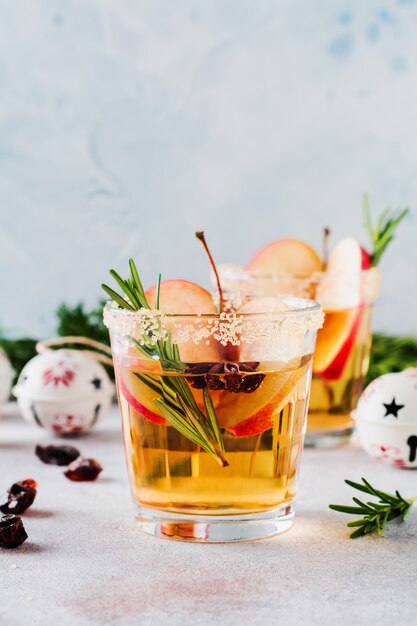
[[333, 398], [170, 473], [214, 411]]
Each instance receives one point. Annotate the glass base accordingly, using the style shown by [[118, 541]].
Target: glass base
[[327, 438], [215, 528]]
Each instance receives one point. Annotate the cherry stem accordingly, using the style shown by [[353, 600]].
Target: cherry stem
[[202, 239], [326, 235]]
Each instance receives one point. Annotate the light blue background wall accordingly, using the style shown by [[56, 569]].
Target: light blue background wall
[[127, 125]]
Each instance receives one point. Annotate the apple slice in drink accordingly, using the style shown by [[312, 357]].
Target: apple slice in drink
[[251, 414], [286, 256], [138, 395], [182, 297], [340, 294], [335, 341]]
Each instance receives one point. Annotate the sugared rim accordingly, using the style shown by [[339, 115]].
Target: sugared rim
[[227, 327], [306, 306]]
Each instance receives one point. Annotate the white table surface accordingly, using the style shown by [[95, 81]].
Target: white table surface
[[87, 562]]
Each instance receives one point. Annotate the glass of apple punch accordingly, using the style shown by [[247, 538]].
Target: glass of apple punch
[[343, 344], [214, 403], [346, 282]]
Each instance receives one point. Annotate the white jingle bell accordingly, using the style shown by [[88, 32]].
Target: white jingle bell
[[6, 377], [386, 418], [65, 391]]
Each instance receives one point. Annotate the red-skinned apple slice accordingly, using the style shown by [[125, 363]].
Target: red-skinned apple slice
[[335, 341], [182, 297], [366, 259], [340, 294], [251, 414], [132, 389], [287, 256]]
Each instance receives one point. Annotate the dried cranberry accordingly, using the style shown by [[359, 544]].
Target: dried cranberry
[[83, 469], [12, 531], [57, 455], [19, 497]]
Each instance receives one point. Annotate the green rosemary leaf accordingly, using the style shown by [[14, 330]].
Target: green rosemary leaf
[[158, 292], [177, 420], [152, 383], [169, 391], [358, 533], [115, 296], [399, 496], [138, 284], [347, 509], [146, 349], [124, 285], [192, 418], [381, 226], [378, 507], [362, 505], [182, 388], [358, 486], [367, 216], [212, 418], [357, 522], [385, 497], [176, 352]]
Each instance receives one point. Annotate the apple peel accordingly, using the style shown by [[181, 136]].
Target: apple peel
[[132, 400], [262, 419]]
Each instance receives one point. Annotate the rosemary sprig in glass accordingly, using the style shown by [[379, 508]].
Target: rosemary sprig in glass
[[175, 402], [382, 233], [376, 514]]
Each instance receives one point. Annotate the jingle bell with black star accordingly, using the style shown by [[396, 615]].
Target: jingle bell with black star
[[65, 391], [386, 418]]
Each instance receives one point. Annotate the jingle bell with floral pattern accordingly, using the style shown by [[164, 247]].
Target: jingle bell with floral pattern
[[65, 391]]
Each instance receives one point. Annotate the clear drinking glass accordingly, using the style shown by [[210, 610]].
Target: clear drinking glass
[[252, 371], [342, 352]]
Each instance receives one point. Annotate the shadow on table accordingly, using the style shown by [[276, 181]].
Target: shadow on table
[[95, 436], [31, 548], [24, 446], [39, 513]]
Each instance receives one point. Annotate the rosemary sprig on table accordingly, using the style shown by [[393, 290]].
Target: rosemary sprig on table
[[175, 402], [376, 514], [382, 233]]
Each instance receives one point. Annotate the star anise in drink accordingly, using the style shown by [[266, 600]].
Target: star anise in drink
[[234, 377]]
